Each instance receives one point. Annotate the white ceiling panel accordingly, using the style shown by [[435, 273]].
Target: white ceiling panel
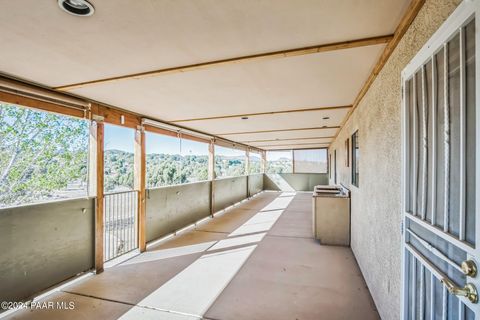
[[322, 79], [298, 134], [307, 119], [48, 46], [43, 44], [296, 146], [262, 144]]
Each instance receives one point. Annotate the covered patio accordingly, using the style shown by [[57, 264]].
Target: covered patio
[[194, 159], [256, 260]]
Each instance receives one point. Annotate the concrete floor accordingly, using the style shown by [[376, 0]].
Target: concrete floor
[[256, 261]]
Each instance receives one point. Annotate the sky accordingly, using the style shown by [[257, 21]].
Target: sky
[[276, 155], [120, 138]]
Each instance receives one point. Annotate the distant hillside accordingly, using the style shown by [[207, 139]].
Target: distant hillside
[[168, 169]]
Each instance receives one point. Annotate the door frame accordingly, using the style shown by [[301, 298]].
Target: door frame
[[465, 11]]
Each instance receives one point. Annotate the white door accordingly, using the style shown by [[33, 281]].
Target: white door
[[441, 173]]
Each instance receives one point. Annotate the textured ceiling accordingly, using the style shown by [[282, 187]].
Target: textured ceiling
[[45, 45]]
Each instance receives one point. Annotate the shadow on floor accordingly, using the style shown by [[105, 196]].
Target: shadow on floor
[[257, 261]]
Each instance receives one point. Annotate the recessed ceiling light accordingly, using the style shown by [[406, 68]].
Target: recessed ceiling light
[[244, 118], [77, 7], [326, 118]]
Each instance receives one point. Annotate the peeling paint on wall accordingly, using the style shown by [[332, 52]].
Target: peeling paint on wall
[[376, 204]]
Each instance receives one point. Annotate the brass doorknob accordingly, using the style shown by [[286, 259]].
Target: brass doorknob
[[469, 268], [469, 291]]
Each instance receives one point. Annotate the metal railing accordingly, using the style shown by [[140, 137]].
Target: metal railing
[[120, 223]]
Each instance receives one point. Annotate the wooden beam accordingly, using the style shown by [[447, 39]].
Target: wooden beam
[[97, 146], [264, 162], [278, 130], [94, 110], [107, 114], [263, 113], [42, 105], [220, 141], [293, 148], [247, 170], [116, 116], [293, 161], [139, 185], [289, 139], [256, 57], [400, 31], [173, 134], [211, 160], [247, 161], [211, 175], [296, 144]]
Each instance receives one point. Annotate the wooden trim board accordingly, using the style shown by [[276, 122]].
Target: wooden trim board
[[256, 57]]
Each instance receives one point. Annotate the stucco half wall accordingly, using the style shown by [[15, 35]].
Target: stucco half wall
[[376, 204]]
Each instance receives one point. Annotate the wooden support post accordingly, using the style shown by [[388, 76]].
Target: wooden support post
[[247, 161], [211, 174], [96, 187], [139, 185], [293, 161], [264, 162], [247, 169]]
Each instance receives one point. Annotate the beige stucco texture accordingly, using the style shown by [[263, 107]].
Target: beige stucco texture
[[376, 205]]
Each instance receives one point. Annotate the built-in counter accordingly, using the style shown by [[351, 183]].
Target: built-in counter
[[331, 215]]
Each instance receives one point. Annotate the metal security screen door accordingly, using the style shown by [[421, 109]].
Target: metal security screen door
[[440, 180]]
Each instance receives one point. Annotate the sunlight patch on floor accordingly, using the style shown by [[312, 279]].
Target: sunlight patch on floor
[[170, 253], [151, 314], [237, 241], [280, 202], [261, 222], [193, 290]]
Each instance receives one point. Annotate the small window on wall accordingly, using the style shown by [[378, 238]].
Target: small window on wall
[[355, 159], [43, 156], [310, 161], [229, 162], [172, 161], [255, 163], [279, 162], [347, 153], [335, 166], [330, 166]]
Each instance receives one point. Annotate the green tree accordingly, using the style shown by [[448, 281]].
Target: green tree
[[40, 153]]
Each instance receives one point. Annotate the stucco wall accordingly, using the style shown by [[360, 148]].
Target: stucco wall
[[294, 181], [376, 204]]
